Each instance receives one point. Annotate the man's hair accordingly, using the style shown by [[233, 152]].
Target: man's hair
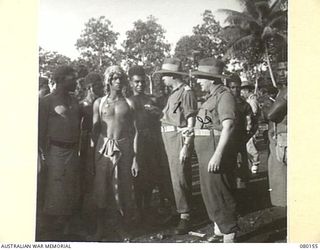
[[61, 72], [91, 79], [108, 74], [233, 78], [43, 82], [136, 70]]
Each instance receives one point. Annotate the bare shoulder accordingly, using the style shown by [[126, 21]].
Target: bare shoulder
[[97, 101], [131, 103], [46, 100]]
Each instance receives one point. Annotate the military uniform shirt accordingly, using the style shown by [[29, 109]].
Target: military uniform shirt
[[219, 106], [181, 105]]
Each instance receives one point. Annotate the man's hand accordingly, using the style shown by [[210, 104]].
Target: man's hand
[[214, 163], [184, 154], [152, 109], [134, 169]]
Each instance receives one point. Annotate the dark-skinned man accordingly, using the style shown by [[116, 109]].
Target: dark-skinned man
[[149, 144], [115, 139], [59, 123], [277, 161]]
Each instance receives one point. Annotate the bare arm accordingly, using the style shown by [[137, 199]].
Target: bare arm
[[135, 167], [43, 124], [190, 122], [278, 110], [96, 121]]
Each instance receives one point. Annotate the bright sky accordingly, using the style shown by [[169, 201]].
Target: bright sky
[[61, 21]]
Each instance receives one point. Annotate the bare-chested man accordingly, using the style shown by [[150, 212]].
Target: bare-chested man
[[93, 88], [149, 146], [115, 138], [59, 119]]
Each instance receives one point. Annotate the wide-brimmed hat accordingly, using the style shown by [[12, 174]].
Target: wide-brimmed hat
[[247, 84], [171, 66], [209, 67]]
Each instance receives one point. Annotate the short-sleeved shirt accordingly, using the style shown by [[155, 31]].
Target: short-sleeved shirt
[[219, 106], [253, 101], [181, 105]]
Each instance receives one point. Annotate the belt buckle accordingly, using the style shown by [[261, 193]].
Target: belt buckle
[[202, 132]]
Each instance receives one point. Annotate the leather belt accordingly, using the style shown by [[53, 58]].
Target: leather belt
[[63, 144], [169, 128], [206, 132]]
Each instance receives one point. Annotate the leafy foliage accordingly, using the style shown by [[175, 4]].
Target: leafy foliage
[[258, 33], [145, 44], [97, 44], [50, 60], [205, 42]]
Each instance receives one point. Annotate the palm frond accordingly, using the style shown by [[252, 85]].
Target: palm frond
[[263, 8], [231, 33], [238, 16], [277, 17], [275, 6], [242, 42], [250, 7], [283, 36]]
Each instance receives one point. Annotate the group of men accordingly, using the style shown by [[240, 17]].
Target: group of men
[[130, 145]]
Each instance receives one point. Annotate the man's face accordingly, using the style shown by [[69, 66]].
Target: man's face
[[138, 83], [167, 80], [117, 82], [205, 84], [235, 88], [70, 82], [282, 73], [97, 89], [245, 93]]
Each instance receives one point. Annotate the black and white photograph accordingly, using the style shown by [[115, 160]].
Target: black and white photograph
[[162, 121]]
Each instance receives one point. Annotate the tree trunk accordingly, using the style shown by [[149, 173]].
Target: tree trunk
[[269, 67]]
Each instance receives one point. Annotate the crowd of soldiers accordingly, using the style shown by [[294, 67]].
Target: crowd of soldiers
[[119, 147]]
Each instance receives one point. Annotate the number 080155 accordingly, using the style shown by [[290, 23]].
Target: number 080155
[[308, 246]]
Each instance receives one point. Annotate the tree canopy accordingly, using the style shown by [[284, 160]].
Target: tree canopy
[[97, 44], [256, 32], [205, 42], [145, 44]]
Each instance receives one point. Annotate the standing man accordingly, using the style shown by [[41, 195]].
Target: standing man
[[43, 87], [177, 133], [59, 120], [115, 139], [93, 89], [243, 128], [147, 121], [277, 162], [213, 145], [251, 98]]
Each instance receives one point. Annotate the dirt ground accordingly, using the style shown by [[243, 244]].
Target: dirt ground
[[258, 221]]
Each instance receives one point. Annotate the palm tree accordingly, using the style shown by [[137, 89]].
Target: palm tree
[[261, 25]]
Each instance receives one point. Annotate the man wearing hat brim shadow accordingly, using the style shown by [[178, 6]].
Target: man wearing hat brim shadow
[[247, 92], [177, 132], [213, 144]]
